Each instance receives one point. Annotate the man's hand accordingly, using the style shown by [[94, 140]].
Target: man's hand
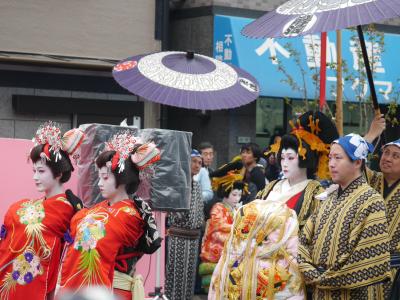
[[378, 125]]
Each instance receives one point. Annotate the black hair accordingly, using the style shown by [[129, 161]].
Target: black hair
[[290, 141], [328, 132], [224, 193], [129, 176], [253, 147], [205, 145], [62, 167]]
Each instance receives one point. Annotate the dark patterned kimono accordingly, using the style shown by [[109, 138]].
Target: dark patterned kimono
[[305, 203], [344, 246], [183, 248], [392, 201]]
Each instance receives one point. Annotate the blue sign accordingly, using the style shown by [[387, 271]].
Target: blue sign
[[269, 60]]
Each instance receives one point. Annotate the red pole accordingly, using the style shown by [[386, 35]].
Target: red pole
[[322, 84]]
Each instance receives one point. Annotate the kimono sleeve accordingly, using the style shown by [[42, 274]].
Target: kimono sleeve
[[310, 272], [218, 223], [7, 223], [132, 227], [367, 259], [59, 213]]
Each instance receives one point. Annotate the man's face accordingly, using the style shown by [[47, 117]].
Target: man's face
[[390, 161], [342, 169], [196, 165], [208, 156]]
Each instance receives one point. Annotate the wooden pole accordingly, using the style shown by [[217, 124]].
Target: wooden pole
[[339, 85], [322, 85]]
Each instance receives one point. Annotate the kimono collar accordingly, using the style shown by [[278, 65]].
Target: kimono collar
[[354, 184], [281, 193]]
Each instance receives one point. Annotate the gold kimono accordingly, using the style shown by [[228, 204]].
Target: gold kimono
[[259, 261], [392, 202], [344, 246]]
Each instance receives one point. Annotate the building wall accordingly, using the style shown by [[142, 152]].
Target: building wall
[[247, 4], [193, 34], [94, 28], [75, 39], [24, 126], [221, 128]]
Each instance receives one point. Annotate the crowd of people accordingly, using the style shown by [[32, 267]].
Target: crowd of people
[[305, 218]]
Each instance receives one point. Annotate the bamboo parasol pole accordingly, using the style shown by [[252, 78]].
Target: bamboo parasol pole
[[339, 85]]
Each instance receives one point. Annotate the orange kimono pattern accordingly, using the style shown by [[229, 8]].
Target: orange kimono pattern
[[98, 234], [31, 246], [217, 231]]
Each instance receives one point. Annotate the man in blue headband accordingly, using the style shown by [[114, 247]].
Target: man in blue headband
[[344, 251], [183, 241], [387, 182]]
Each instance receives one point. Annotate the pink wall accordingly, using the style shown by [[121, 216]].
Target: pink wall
[[16, 183]]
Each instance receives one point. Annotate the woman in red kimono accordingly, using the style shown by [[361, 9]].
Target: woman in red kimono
[[100, 233], [219, 225], [31, 236]]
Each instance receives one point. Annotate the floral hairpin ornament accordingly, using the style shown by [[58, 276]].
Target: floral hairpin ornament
[[49, 135], [128, 146]]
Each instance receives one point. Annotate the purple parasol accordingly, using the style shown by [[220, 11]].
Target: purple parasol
[[301, 17], [186, 80]]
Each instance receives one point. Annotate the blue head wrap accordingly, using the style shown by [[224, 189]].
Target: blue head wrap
[[195, 153], [394, 143], [355, 146]]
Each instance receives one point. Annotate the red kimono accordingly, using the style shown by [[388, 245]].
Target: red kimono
[[99, 233], [217, 231], [30, 247]]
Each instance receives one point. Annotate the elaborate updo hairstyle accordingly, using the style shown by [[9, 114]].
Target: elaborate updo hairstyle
[[129, 176], [62, 167], [290, 141], [55, 149], [224, 193]]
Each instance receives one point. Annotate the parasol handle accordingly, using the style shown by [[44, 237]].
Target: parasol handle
[[368, 70], [190, 54]]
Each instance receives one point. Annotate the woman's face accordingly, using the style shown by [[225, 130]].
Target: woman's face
[[247, 157], [290, 164], [234, 197], [107, 183], [43, 177]]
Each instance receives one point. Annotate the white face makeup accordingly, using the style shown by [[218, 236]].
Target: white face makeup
[[290, 164], [43, 177], [234, 197], [107, 183]]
